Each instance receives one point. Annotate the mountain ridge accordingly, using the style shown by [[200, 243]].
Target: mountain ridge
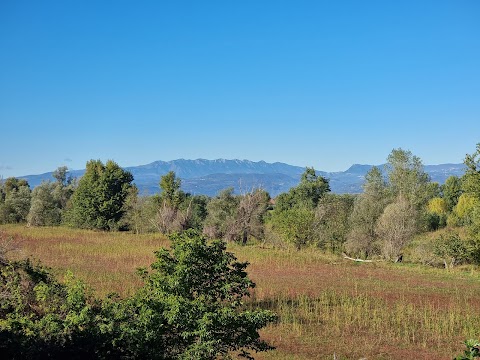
[[202, 176]]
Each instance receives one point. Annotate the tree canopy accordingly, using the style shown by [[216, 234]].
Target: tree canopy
[[171, 193], [98, 202], [15, 196], [307, 194], [407, 177]]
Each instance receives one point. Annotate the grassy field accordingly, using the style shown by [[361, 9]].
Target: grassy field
[[327, 305]]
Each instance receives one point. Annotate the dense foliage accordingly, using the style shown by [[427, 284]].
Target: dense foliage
[[15, 195], [49, 199], [41, 318], [98, 202], [472, 352]]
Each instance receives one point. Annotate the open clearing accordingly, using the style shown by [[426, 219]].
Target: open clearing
[[326, 304]]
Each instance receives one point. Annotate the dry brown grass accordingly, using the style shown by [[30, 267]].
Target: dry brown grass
[[326, 304], [105, 261]]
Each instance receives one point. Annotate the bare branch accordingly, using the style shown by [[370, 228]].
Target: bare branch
[[357, 260]]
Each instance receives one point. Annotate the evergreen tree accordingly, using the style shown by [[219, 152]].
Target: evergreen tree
[[98, 202]]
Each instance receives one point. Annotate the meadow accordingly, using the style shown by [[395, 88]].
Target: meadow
[[326, 305]]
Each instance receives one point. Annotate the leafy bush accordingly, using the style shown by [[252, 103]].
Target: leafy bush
[[191, 304], [297, 226], [41, 318], [434, 221], [472, 351], [452, 249]]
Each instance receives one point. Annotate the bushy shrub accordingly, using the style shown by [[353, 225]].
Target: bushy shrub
[[472, 351], [41, 318]]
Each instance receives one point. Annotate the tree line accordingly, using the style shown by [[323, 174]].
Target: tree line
[[397, 203]]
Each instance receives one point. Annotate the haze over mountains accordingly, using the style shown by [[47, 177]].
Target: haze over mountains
[[210, 176]]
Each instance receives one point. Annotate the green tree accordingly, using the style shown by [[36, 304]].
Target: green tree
[[464, 212], [452, 249], [222, 211], [407, 182], [65, 185], [438, 205], [50, 199], [332, 218], [297, 226], [62, 176], [12, 184], [177, 210], [191, 306], [236, 218], [15, 197], [437, 212], [311, 188], [407, 178], [306, 194], [471, 179], [98, 201], [44, 209], [139, 212], [171, 193], [471, 188], [293, 217], [197, 206], [452, 189], [362, 240]]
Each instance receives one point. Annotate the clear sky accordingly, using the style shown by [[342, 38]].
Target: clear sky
[[311, 83]]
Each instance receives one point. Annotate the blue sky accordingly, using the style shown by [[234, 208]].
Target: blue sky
[[311, 83]]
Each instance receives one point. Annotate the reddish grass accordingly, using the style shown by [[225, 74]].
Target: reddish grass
[[363, 318], [382, 281]]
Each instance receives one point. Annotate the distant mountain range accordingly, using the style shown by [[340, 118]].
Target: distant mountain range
[[210, 176]]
